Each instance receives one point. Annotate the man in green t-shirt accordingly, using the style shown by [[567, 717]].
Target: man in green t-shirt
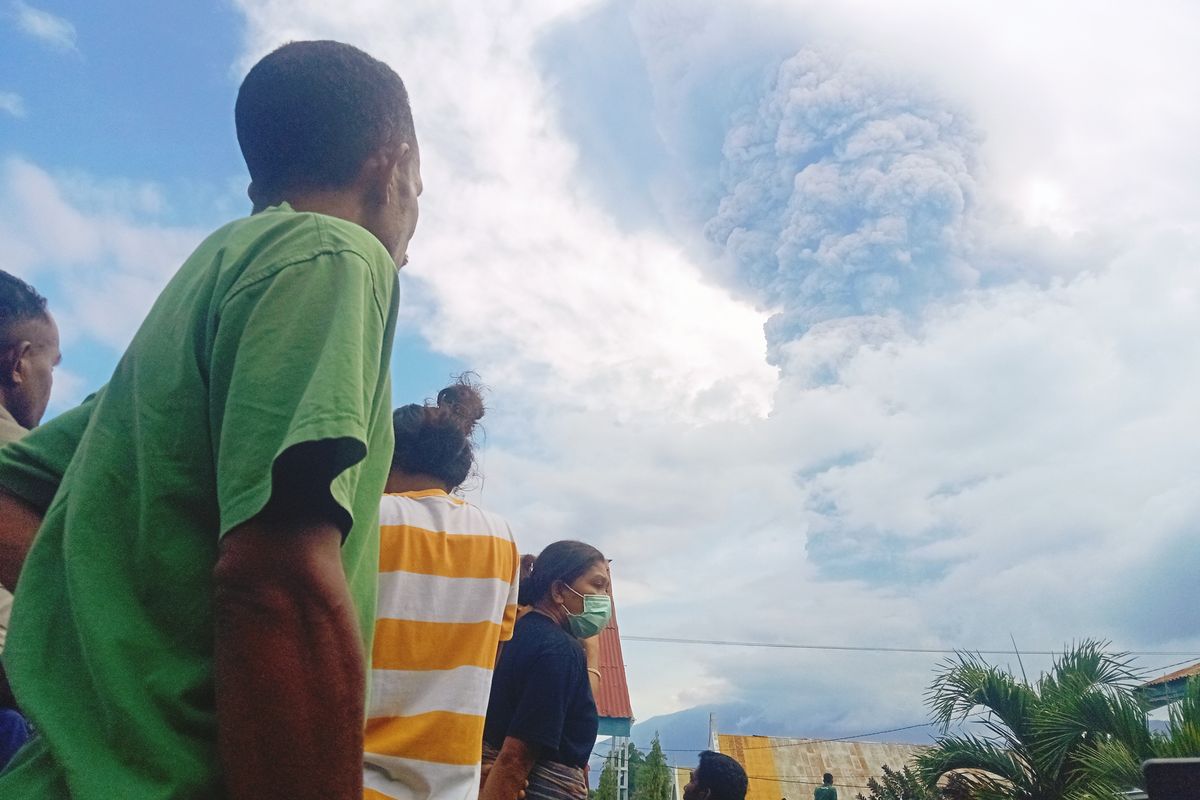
[[191, 620], [826, 790]]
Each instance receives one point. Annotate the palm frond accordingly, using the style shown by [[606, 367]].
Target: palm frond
[[1110, 768], [992, 768], [1087, 666], [1074, 720], [1182, 737], [965, 683]]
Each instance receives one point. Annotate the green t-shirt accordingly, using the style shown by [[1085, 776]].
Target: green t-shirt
[[825, 793], [276, 332]]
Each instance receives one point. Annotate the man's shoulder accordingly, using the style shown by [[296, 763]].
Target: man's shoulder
[[10, 429], [260, 246], [319, 233]]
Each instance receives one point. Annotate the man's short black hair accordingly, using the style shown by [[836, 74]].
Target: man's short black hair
[[827, 778], [309, 115], [721, 775], [19, 302]]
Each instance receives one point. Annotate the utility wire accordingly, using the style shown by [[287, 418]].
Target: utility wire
[[1169, 666], [1192, 654]]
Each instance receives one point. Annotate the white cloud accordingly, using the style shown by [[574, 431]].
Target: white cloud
[[519, 272], [12, 103], [999, 459], [69, 390], [100, 246], [56, 31]]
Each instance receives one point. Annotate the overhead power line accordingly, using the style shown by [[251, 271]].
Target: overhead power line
[[871, 649], [1171, 666]]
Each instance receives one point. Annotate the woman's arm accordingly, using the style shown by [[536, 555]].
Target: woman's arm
[[507, 778]]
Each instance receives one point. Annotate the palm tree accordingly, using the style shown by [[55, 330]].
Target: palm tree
[[1114, 764], [1037, 733], [904, 784]]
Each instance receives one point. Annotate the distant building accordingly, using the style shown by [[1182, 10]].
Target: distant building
[[781, 767], [612, 702], [1169, 688]]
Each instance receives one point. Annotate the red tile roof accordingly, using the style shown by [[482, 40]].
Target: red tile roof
[[1186, 672], [613, 698]]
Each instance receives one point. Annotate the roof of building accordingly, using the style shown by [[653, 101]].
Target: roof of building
[[1186, 672], [612, 701], [792, 768]]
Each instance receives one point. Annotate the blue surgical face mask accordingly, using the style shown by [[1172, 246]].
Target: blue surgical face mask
[[597, 609]]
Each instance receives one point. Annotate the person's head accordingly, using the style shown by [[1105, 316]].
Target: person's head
[[716, 777], [563, 574], [28, 351], [827, 779], [325, 117], [434, 447]]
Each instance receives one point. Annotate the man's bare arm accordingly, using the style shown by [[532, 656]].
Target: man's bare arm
[[289, 663], [19, 523]]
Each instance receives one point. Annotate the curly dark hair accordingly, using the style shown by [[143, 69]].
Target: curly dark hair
[[722, 776], [437, 439], [310, 114]]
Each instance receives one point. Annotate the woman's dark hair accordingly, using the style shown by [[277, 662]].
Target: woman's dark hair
[[437, 439], [562, 561]]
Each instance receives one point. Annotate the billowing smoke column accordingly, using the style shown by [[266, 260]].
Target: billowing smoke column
[[848, 194]]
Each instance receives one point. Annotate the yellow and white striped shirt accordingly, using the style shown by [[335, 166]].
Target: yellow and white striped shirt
[[447, 597]]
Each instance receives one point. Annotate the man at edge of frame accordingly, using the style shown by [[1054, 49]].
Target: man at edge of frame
[[192, 616]]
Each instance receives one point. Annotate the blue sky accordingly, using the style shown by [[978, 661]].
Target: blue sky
[[867, 324], [143, 114]]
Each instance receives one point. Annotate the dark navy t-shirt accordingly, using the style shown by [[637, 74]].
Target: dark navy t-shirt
[[541, 694]]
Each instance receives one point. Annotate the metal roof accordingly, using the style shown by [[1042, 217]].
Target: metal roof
[[612, 701], [1186, 672], [1169, 688], [792, 768]]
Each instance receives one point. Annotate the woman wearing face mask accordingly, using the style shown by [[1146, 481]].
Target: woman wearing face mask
[[541, 719]]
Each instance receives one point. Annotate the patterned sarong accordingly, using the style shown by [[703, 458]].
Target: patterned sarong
[[548, 780]]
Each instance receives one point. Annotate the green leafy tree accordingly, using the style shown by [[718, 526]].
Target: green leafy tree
[[905, 784], [607, 790], [1040, 735], [636, 758], [653, 776]]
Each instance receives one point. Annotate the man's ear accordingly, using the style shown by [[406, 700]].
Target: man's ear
[[383, 170], [13, 363], [257, 201]]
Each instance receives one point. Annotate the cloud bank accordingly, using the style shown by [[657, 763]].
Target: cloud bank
[[847, 193], [95, 246], [978, 287]]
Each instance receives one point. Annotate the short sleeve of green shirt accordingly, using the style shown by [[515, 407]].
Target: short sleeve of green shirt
[[295, 361], [33, 467]]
